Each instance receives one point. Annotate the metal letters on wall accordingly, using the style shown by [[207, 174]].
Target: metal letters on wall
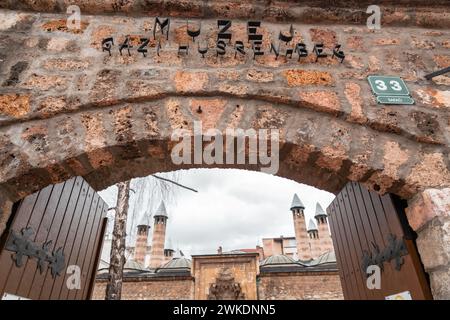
[[224, 41], [394, 251], [23, 246]]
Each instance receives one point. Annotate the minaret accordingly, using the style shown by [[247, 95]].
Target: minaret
[[141, 239], [159, 237], [301, 237], [314, 241], [326, 244]]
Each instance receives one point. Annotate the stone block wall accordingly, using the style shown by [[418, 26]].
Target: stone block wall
[[300, 286], [170, 288], [429, 215]]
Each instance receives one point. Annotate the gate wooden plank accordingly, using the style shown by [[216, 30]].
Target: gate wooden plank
[[352, 289], [70, 214], [70, 237], [337, 244], [353, 240], [52, 235], [15, 273], [20, 220], [96, 255], [86, 242], [361, 211], [358, 232], [89, 260], [31, 268], [76, 243], [356, 292]]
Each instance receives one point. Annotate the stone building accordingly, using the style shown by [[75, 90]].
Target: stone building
[[309, 242], [268, 272]]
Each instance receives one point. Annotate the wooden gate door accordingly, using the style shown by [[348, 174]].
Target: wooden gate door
[[369, 229], [52, 245]]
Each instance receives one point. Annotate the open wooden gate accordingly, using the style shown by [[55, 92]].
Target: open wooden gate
[[369, 229], [53, 236]]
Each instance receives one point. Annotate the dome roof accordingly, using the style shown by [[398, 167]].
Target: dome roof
[[277, 260], [311, 225], [327, 257], [161, 212], [319, 211], [176, 265], [296, 202], [133, 264]]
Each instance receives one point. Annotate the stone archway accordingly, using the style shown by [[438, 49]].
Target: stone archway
[[68, 109]]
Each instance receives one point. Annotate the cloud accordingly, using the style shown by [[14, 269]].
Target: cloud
[[234, 209]]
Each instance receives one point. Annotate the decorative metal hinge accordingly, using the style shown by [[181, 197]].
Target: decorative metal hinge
[[394, 251], [23, 246]]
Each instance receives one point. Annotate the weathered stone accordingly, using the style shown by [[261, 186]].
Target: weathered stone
[[308, 77], [353, 95], [434, 98], [47, 82], [14, 105], [190, 81], [95, 131], [355, 43], [427, 205], [326, 101], [433, 243], [326, 36], [431, 171], [50, 106], [374, 64], [105, 87], [66, 64], [57, 44], [423, 43], [208, 111], [440, 284], [259, 76], [387, 42], [442, 61]]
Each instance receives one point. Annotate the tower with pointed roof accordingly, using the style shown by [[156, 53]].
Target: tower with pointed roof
[[326, 243], [301, 236], [159, 237], [314, 239], [142, 239]]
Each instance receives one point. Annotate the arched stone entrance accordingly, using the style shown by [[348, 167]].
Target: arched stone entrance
[[68, 109]]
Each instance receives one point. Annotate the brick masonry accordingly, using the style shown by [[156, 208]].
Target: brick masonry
[[170, 288], [270, 286], [294, 286]]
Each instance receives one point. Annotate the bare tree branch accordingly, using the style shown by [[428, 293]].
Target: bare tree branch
[[175, 183]]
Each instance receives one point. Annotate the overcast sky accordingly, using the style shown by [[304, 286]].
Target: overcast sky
[[234, 209]]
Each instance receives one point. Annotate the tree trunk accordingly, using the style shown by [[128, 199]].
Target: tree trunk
[[117, 259]]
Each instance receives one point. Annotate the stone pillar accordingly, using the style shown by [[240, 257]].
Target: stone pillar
[[301, 235], [141, 244], [158, 241], [429, 215], [326, 244]]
